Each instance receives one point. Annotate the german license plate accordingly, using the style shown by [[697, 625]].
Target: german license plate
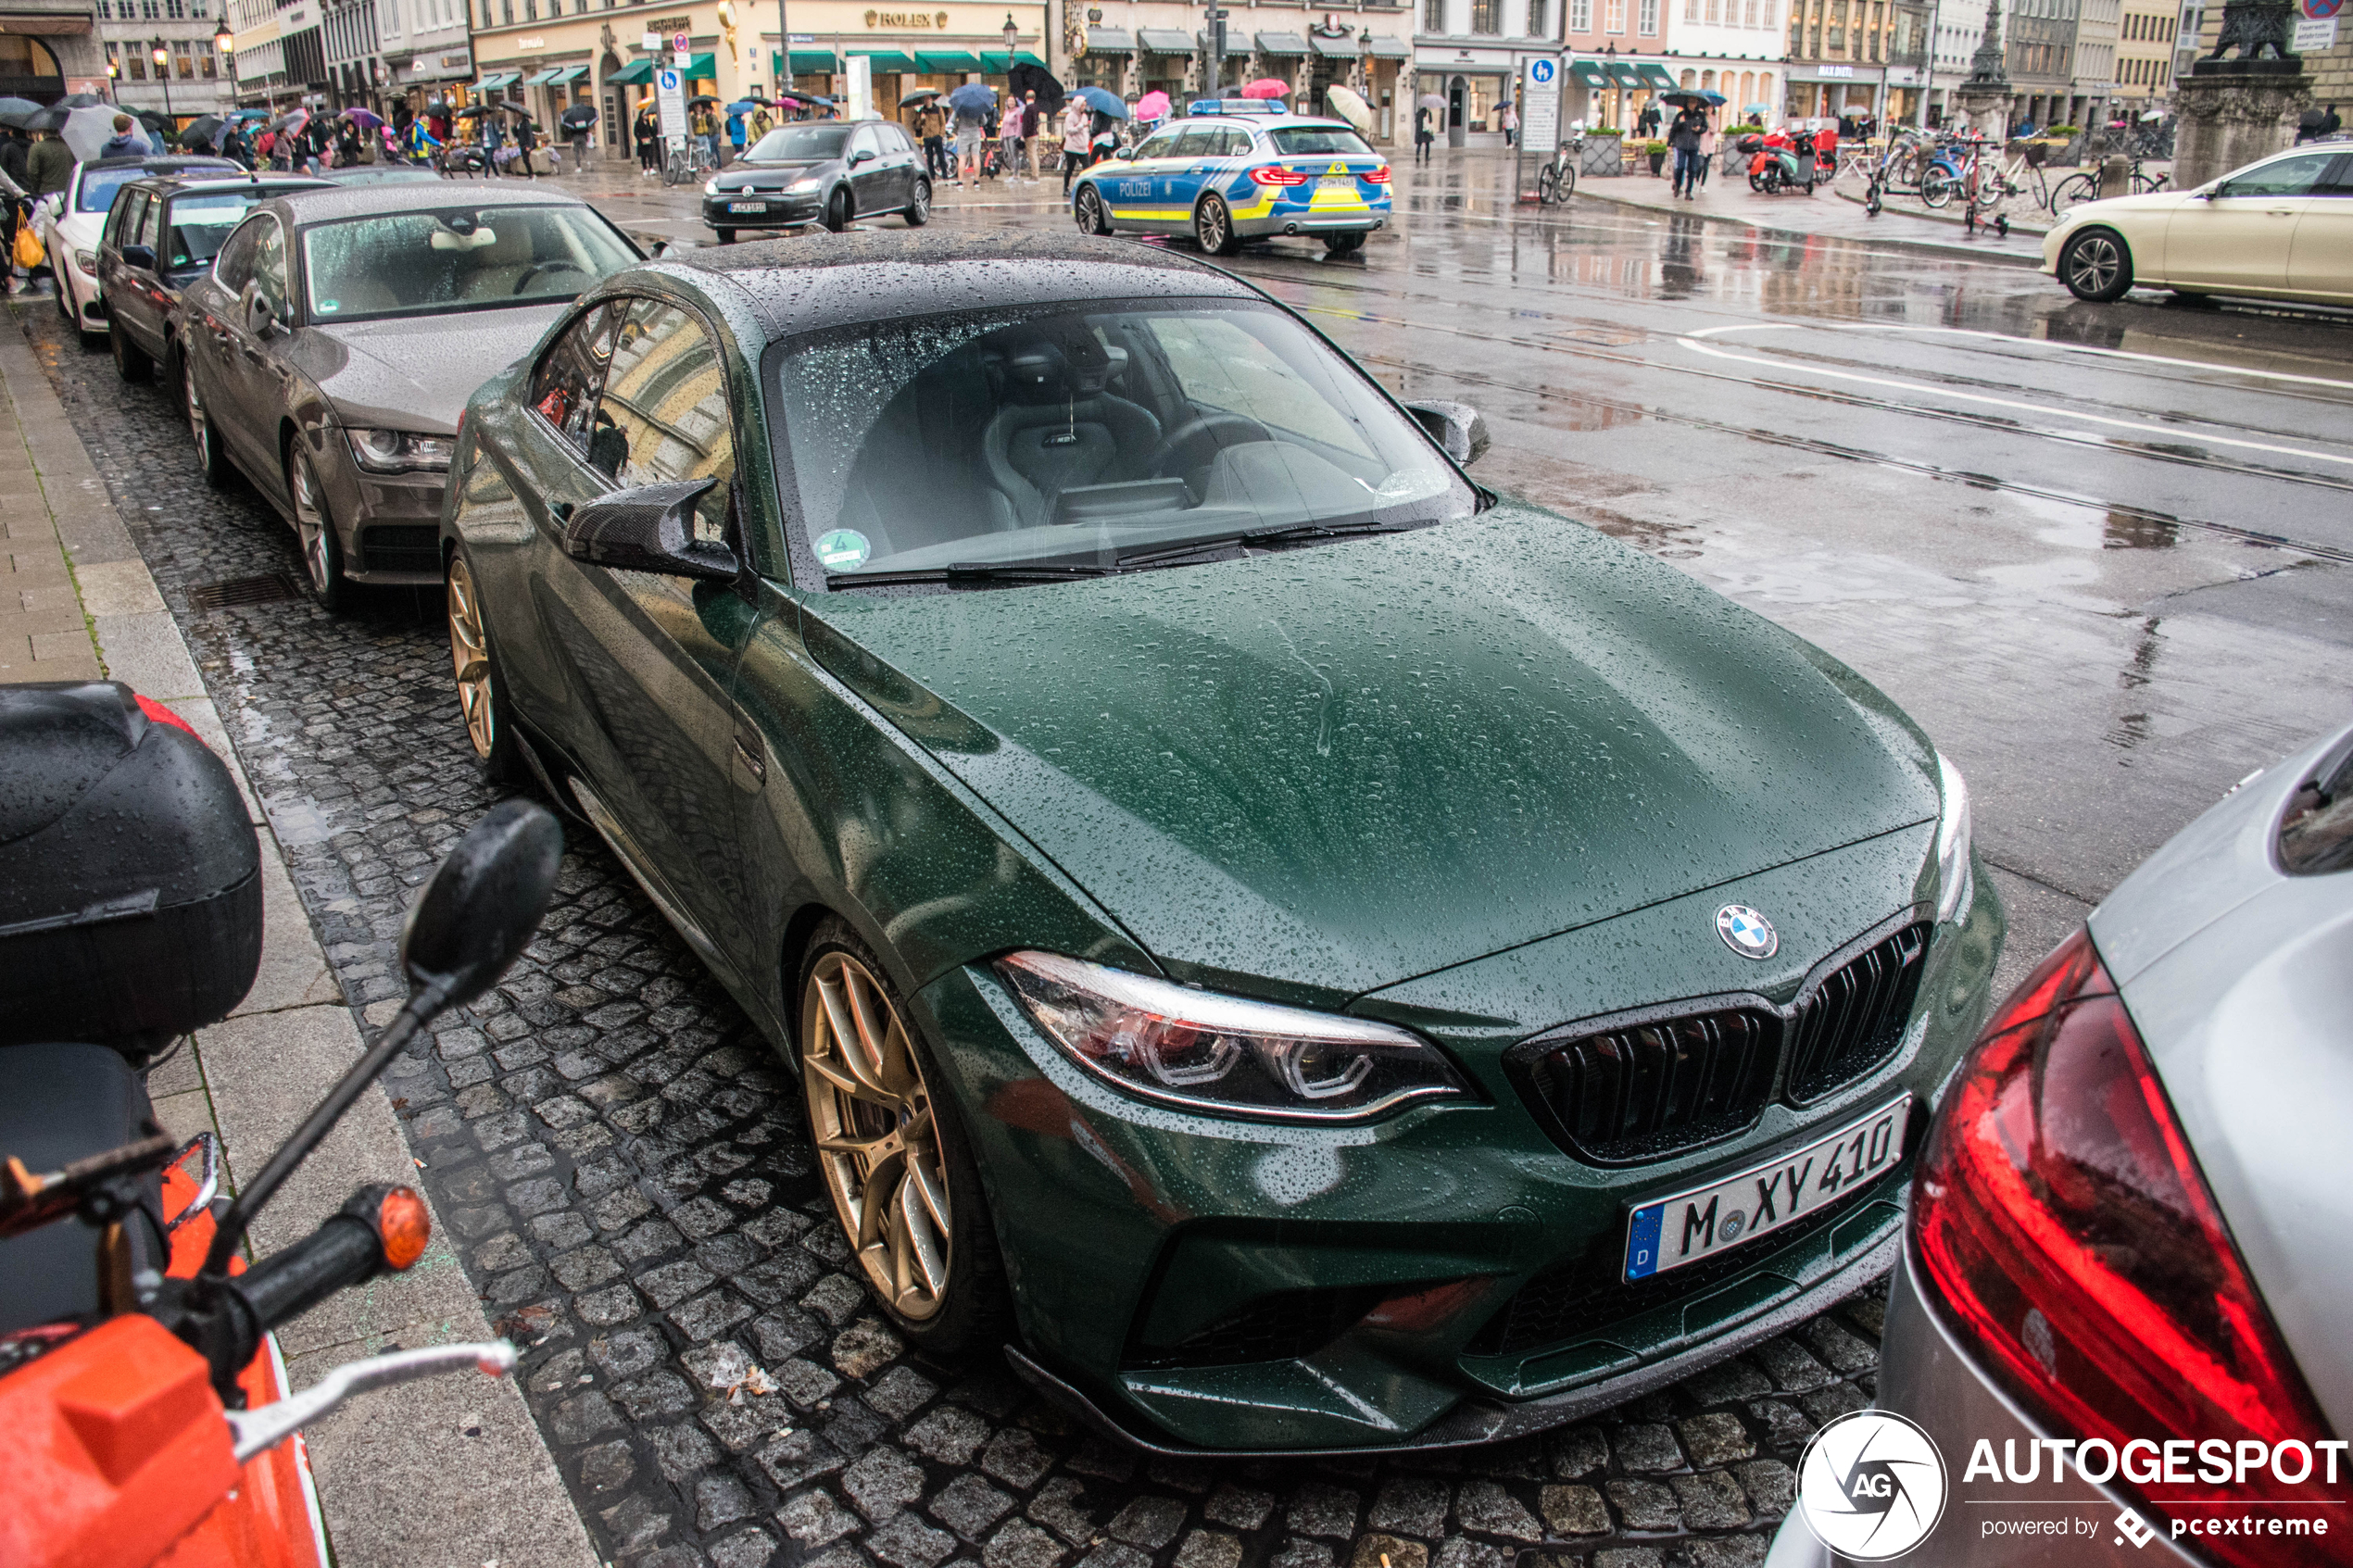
[[1706, 1220], [1337, 182], [747, 207]]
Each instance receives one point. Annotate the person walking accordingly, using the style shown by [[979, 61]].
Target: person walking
[[1646, 123], [1682, 140], [762, 122], [929, 128], [648, 132], [1033, 130], [50, 164], [126, 142], [1509, 120], [735, 134], [1424, 137], [16, 157], [1077, 128], [1706, 153], [1009, 143], [971, 119]]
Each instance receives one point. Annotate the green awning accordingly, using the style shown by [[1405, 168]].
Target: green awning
[[702, 68], [637, 73], [1109, 41], [1383, 47], [1281, 44], [567, 76], [1624, 74], [943, 62], [1590, 72], [996, 62], [1236, 43], [808, 62], [539, 77], [1333, 49], [1656, 76], [1164, 40], [886, 61], [494, 80]]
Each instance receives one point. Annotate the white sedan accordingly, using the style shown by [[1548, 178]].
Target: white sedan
[[69, 223], [2280, 228]]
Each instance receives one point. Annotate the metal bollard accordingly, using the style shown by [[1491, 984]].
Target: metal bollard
[[2116, 177]]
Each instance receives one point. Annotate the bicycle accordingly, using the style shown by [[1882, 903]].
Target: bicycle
[[1556, 181], [1954, 171], [687, 162], [2077, 189]]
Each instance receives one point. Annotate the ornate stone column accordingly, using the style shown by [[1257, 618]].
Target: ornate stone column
[[1987, 96], [2234, 111]]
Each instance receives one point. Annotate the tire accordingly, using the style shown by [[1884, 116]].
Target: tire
[[2074, 191], [1547, 185], [726, 236], [1088, 205], [917, 212], [2096, 266], [1214, 227], [212, 462], [1343, 244], [1755, 181], [881, 1095], [64, 291], [1937, 187], [131, 361], [837, 211], [473, 666], [315, 527]]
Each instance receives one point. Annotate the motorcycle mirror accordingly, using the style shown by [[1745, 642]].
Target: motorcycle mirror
[[481, 907], [475, 915]]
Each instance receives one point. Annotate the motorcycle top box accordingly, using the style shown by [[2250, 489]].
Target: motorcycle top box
[[130, 875]]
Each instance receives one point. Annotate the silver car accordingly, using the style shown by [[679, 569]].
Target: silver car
[[338, 336], [2124, 1313]]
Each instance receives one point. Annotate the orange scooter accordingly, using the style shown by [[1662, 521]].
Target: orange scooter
[[160, 1430]]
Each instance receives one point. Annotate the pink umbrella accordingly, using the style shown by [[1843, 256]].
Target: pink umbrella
[[1152, 106], [1267, 87]]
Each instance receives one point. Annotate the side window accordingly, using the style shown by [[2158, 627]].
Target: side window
[[564, 387], [664, 412], [1238, 143], [1201, 141], [232, 270], [865, 141], [151, 226], [270, 261], [2340, 180], [123, 223], [2283, 177], [1159, 144], [897, 137]]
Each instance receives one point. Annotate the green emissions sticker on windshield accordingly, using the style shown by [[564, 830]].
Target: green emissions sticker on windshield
[[327, 306], [845, 549]]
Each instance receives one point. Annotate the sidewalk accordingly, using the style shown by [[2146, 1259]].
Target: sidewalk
[[450, 1471]]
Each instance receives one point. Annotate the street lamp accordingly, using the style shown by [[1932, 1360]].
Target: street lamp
[[1013, 36], [226, 42], [162, 58]]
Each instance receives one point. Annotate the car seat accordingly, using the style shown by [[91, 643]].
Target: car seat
[[1060, 429]]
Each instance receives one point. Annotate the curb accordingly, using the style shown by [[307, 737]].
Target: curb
[[468, 1444], [1943, 248]]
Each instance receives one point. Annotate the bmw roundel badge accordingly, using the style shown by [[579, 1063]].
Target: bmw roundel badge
[[1747, 932]]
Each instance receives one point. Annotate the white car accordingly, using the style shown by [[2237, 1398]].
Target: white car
[[69, 223], [2282, 227]]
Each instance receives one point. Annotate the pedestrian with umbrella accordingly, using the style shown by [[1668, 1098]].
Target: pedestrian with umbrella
[[971, 105], [1683, 139], [648, 131], [1426, 108], [203, 133], [578, 121], [931, 130]]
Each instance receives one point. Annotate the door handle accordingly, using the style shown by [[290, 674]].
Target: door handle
[[748, 760]]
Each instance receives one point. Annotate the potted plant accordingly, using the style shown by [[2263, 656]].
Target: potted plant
[[1605, 151], [1657, 152]]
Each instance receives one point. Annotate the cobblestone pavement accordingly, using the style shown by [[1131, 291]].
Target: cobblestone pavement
[[627, 1174]]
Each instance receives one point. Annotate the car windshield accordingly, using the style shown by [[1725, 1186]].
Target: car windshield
[[200, 222], [801, 143], [429, 263], [1090, 435], [1294, 140], [98, 186]]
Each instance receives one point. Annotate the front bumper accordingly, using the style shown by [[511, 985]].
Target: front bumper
[[389, 524], [1200, 1283], [771, 210]]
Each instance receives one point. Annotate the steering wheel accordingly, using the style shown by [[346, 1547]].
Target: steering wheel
[[1203, 434], [538, 267]]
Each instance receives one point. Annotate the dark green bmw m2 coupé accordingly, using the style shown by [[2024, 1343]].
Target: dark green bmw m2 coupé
[[1305, 954]]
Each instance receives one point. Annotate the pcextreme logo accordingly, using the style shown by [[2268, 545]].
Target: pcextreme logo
[[1870, 1485]]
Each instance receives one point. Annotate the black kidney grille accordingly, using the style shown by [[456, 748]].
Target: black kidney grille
[[1856, 1019], [1653, 1087]]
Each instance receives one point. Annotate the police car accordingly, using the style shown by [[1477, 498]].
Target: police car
[[1235, 170]]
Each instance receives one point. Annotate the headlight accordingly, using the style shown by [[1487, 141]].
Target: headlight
[[802, 187], [1954, 880], [1212, 1052], [710, 186], [396, 451], [85, 260]]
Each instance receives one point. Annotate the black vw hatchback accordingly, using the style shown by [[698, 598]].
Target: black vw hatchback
[[827, 172]]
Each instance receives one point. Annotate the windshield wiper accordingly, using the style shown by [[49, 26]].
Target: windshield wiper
[[1295, 533], [972, 571]]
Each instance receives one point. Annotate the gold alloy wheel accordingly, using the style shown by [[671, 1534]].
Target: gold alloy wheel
[[877, 1142], [470, 657]]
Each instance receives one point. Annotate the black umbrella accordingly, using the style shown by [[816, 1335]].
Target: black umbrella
[[50, 118], [203, 131], [150, 118], [81, 101], [700, 99], [906, 100], [579, 117], [1038, 80], [16, 111]]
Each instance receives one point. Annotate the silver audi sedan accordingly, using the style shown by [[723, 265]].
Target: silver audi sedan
[[2124, 1313], [338, 336]]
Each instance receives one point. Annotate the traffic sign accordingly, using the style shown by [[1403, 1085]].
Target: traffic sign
[[680, 42]]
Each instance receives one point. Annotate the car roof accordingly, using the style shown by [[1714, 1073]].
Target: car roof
[[184, 184], [1264, 121], [796, 285], [161, 163], [328, 202]]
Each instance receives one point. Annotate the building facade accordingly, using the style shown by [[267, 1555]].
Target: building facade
[[193, 78], [2039, 53], [1860, 57], [279, 60], [2144, 39], [49, 48], [2098, 26], [1469, 53], [1958, 27], [424, 48], [1735, 47], [1157, 46]]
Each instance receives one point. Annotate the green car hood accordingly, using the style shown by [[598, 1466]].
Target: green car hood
[[1333, 768]]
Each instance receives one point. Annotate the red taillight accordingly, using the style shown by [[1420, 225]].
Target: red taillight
[[2060, 1217], [1276, 174], [1375, 176], [158, 714]]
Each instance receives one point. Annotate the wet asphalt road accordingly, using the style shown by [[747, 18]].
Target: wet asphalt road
[[2098, 552]]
